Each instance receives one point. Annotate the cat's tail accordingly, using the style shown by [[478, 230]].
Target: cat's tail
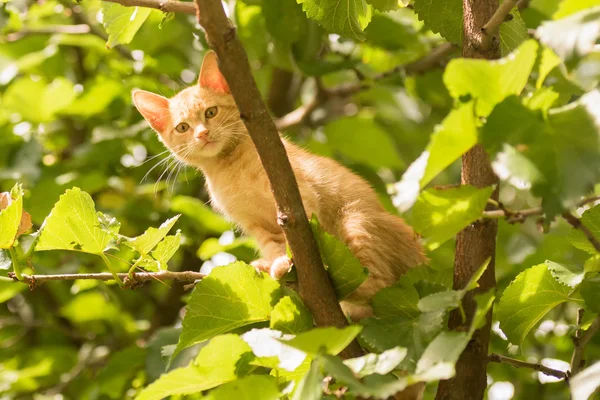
[[385, 245]]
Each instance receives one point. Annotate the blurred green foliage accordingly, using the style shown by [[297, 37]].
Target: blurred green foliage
[[66, 121]]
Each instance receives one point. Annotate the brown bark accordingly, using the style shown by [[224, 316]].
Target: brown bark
[[313, 282], [477, 242]]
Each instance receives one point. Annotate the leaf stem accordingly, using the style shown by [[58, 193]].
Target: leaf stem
[[134, 266], [110, 268], [15, 263]]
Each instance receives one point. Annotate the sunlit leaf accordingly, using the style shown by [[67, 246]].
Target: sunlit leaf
[[217, 363], [122, 23], [527, 299], [74, 224], [347, 19], [230, 297], [490, 82], [438, 215], [324, 340]]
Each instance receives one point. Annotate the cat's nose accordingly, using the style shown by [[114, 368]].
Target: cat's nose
[[201, 132]]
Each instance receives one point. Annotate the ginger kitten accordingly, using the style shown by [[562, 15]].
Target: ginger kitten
[[202, 127]]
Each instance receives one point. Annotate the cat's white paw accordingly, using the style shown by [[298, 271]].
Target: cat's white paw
[[280, 267], [261, 265], [277, 268]]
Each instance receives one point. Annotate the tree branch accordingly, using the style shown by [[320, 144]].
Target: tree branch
[[577, 224], [430, 61], [162, 5], [493, 25], [130, 282], [497, 358], [520, 216], [313, 281], [581, 341]]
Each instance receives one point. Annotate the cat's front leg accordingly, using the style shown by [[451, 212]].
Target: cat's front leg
[[274, 259]]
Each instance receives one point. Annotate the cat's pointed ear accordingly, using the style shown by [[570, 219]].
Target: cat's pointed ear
[[154, 108], [210, 76]]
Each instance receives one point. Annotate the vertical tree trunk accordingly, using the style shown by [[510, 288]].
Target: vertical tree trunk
[[477, 242]]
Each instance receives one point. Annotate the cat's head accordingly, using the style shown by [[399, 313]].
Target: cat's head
[[199, 123]]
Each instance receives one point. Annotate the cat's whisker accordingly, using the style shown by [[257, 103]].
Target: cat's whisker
[[161, 162]]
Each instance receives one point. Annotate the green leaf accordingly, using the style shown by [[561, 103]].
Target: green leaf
[[490, 82], [285, 20], [291, 316], [443, 17], [438, 215], [590, 291], [324, 340], [310, 387], [438, 360], [344, 269], [548, 61], [38, 101], [200, 213], [441, 301], [568, 7], [527, 299], [162, 253], [585, 384], [149, 239], [567, 274], [218, 362], [228, 298], [184, 380], [591, 220], [412, 333], [572, 37], [374, 386], [10, 217], [347, 19], [252, 387], [512, 33], [122, 23], [484, 303], [384, 5], [95, 99], [359, 138], [396, 301], [449, 141], [381, 364], [244, 248], [74, 224], [391, 32]]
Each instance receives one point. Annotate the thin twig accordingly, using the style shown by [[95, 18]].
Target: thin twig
[[497, 358], [520, 215], [162, 5], [78, 29], [130, 282], [493, 25], [577, 224], [581, 340]]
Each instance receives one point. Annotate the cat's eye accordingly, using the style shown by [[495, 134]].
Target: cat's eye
[[182, 127], [210, 112]]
